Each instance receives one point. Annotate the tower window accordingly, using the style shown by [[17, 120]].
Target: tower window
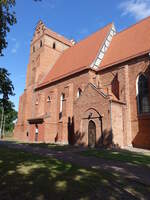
[[33, 48], [142, 90], [41, 44], [54, 45], [79, 92]]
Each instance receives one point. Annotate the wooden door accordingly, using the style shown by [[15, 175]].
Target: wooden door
[[91, 134]]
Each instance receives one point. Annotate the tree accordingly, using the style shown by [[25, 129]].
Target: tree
[[7, 112], [6, 88], [7, 19], [10, 115]]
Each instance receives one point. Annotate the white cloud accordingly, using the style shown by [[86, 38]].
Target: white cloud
[[15, 48], [139, 9]]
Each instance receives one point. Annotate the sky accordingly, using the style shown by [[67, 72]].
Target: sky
[[75, 19]]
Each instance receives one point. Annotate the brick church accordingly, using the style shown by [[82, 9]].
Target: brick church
[[93, 92]]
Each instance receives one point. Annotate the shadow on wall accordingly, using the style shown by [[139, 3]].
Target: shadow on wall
[[74, 137], [106, 139]]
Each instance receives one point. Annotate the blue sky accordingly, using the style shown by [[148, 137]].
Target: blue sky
[[71, 18]]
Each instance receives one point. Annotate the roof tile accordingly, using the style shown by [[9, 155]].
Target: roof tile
[[128, 44], [78, 57]]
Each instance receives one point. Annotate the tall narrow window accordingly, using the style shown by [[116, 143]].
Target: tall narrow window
[[33, 48], [79, 92], [41, 44], [48, 99], [143, 100], [115, 86], [61, 101], [62, 97], [54, 45], [36, 132]]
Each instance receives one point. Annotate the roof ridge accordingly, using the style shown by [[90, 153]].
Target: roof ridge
[[59, 35], [132, 26]]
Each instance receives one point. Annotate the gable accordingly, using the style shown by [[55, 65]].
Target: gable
[[91, 94]]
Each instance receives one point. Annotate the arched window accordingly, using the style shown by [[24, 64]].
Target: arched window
[[62, 97], [48, 99], [142, 90], [54, 45], [37, 102], [79, 92], [41, 44]]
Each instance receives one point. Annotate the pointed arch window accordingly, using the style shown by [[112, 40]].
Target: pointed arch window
[[37, 101], [142, 90], [79, 92], [48, 99], [62, 98]]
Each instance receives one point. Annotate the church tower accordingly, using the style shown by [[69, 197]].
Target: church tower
[[46, 47]]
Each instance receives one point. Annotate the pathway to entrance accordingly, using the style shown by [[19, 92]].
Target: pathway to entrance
[[140, 174]]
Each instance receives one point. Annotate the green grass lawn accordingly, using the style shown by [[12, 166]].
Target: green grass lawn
[[24, 176], [119, 155]]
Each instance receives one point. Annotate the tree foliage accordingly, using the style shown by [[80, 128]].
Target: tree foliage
[[10, 115], [7, 19], [6, 88]]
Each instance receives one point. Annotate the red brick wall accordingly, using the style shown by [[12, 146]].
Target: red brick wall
[[91, 99], [127, 75]]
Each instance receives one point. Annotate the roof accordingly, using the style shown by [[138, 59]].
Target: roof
[[58, 37], [78, 57], [132, 42]]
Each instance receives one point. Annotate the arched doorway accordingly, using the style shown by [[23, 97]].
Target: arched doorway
[[91, 134]]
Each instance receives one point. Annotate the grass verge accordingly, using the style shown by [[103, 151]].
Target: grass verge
[[119, 155]]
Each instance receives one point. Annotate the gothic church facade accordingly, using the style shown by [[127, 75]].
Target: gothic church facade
[[94, 92]]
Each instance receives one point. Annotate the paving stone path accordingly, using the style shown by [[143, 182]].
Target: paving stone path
[[140, 174]]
